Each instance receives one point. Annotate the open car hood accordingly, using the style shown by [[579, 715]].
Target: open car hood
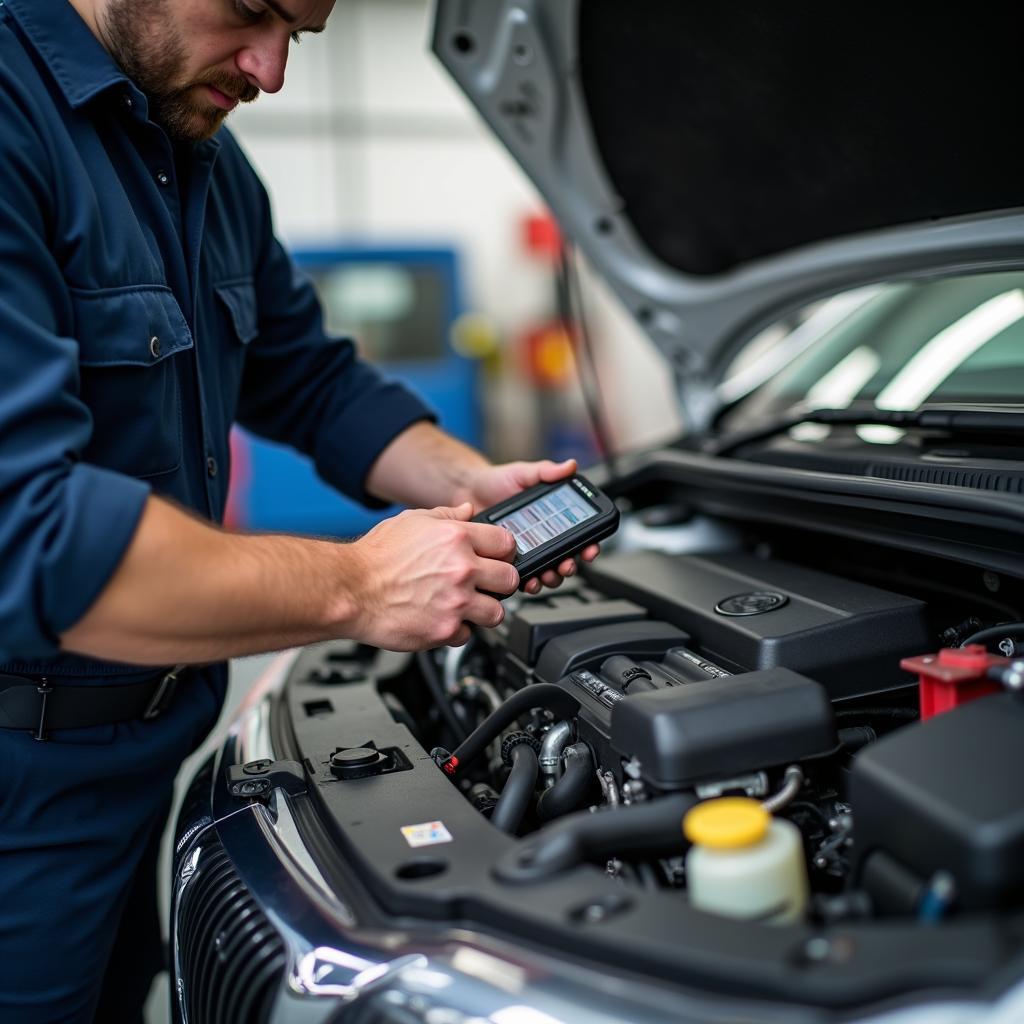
[[720, 166]]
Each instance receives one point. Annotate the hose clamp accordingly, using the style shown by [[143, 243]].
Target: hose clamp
[[517, 739]]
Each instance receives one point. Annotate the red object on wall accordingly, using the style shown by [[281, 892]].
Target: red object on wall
[[549, 358], [954, 676], [542, 236]]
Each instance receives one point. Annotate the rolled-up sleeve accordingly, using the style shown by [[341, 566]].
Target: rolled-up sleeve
[[307, 389], [64, 524]]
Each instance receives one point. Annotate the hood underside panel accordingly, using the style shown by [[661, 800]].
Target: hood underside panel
[[735, 132], [720, 169]]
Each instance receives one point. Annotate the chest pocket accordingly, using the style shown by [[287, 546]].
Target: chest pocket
[[234, 325], [130, 340], [239, 299]]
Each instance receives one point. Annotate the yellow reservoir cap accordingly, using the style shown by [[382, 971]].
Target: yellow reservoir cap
[[727, 823]]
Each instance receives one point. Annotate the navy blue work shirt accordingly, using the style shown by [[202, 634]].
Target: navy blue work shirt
[[145, 305]]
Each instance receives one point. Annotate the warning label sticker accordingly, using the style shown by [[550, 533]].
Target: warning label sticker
[[427, 834]]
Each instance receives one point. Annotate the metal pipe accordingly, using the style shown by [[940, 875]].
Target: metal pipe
[[793, 782], [608, 788], [453, 659], [556, 739]]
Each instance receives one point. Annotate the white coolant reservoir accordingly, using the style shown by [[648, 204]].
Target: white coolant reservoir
[[743, 863]]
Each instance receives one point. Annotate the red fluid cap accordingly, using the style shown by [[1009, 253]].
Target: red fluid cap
[[973, 656], [953, 677]]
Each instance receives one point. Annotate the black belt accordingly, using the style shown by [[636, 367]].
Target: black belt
[[38, 706]]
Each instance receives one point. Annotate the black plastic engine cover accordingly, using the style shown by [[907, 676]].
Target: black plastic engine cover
[[945, 795], [533, 624], [751, 613], [721, 727]]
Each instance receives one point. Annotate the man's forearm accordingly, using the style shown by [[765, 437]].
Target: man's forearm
[[424, 467], [187, 592]]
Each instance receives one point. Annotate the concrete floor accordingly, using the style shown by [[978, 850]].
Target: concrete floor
[[244, 672]]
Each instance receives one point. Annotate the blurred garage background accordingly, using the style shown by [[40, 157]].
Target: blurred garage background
[[433, 250]]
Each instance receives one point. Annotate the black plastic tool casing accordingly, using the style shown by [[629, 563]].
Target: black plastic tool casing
[[545, 556]]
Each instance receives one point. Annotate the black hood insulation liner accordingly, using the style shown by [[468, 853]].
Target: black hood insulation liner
[[732, 132]]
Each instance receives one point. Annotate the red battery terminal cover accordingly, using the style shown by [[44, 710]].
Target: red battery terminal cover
[[954, 676]]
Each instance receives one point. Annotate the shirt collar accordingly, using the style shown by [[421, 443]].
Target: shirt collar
[[76, 58]]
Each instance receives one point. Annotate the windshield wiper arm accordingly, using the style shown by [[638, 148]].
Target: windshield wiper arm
[[952, 421]]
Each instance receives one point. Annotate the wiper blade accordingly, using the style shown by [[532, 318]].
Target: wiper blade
[[950, 421]]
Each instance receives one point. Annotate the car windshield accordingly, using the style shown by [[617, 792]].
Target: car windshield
[[892, 346]]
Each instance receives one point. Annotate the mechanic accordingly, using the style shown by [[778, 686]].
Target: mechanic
[[145, 305]]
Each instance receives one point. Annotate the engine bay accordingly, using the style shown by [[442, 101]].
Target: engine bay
[[729, 674], [537, 780]]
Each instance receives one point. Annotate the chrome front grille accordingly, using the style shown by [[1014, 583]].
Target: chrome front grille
[[230, 958]]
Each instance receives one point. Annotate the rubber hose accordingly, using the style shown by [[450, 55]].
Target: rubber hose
[[650, 829], [1013, 630], [429, 670], [569, 792], [539, 695], [856, 737], [904, 714], [627, 674], [518, 792]]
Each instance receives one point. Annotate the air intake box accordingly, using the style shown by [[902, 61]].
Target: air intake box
[[720, 727], [750, 613]]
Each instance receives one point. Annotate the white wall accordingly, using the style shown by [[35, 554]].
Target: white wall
[[369, 139]]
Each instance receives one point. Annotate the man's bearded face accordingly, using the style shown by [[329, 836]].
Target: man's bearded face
[[151, 49]]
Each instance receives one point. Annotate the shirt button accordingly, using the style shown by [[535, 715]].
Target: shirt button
[[127, 102], [211, 467], [154, 347], [163, 178]]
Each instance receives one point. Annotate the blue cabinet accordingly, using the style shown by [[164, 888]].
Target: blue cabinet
[[399, 304]]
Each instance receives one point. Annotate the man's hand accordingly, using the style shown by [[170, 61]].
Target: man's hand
[[492, 484], [422, 573]]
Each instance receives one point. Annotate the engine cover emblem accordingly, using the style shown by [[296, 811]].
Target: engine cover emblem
[[757, 602]]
